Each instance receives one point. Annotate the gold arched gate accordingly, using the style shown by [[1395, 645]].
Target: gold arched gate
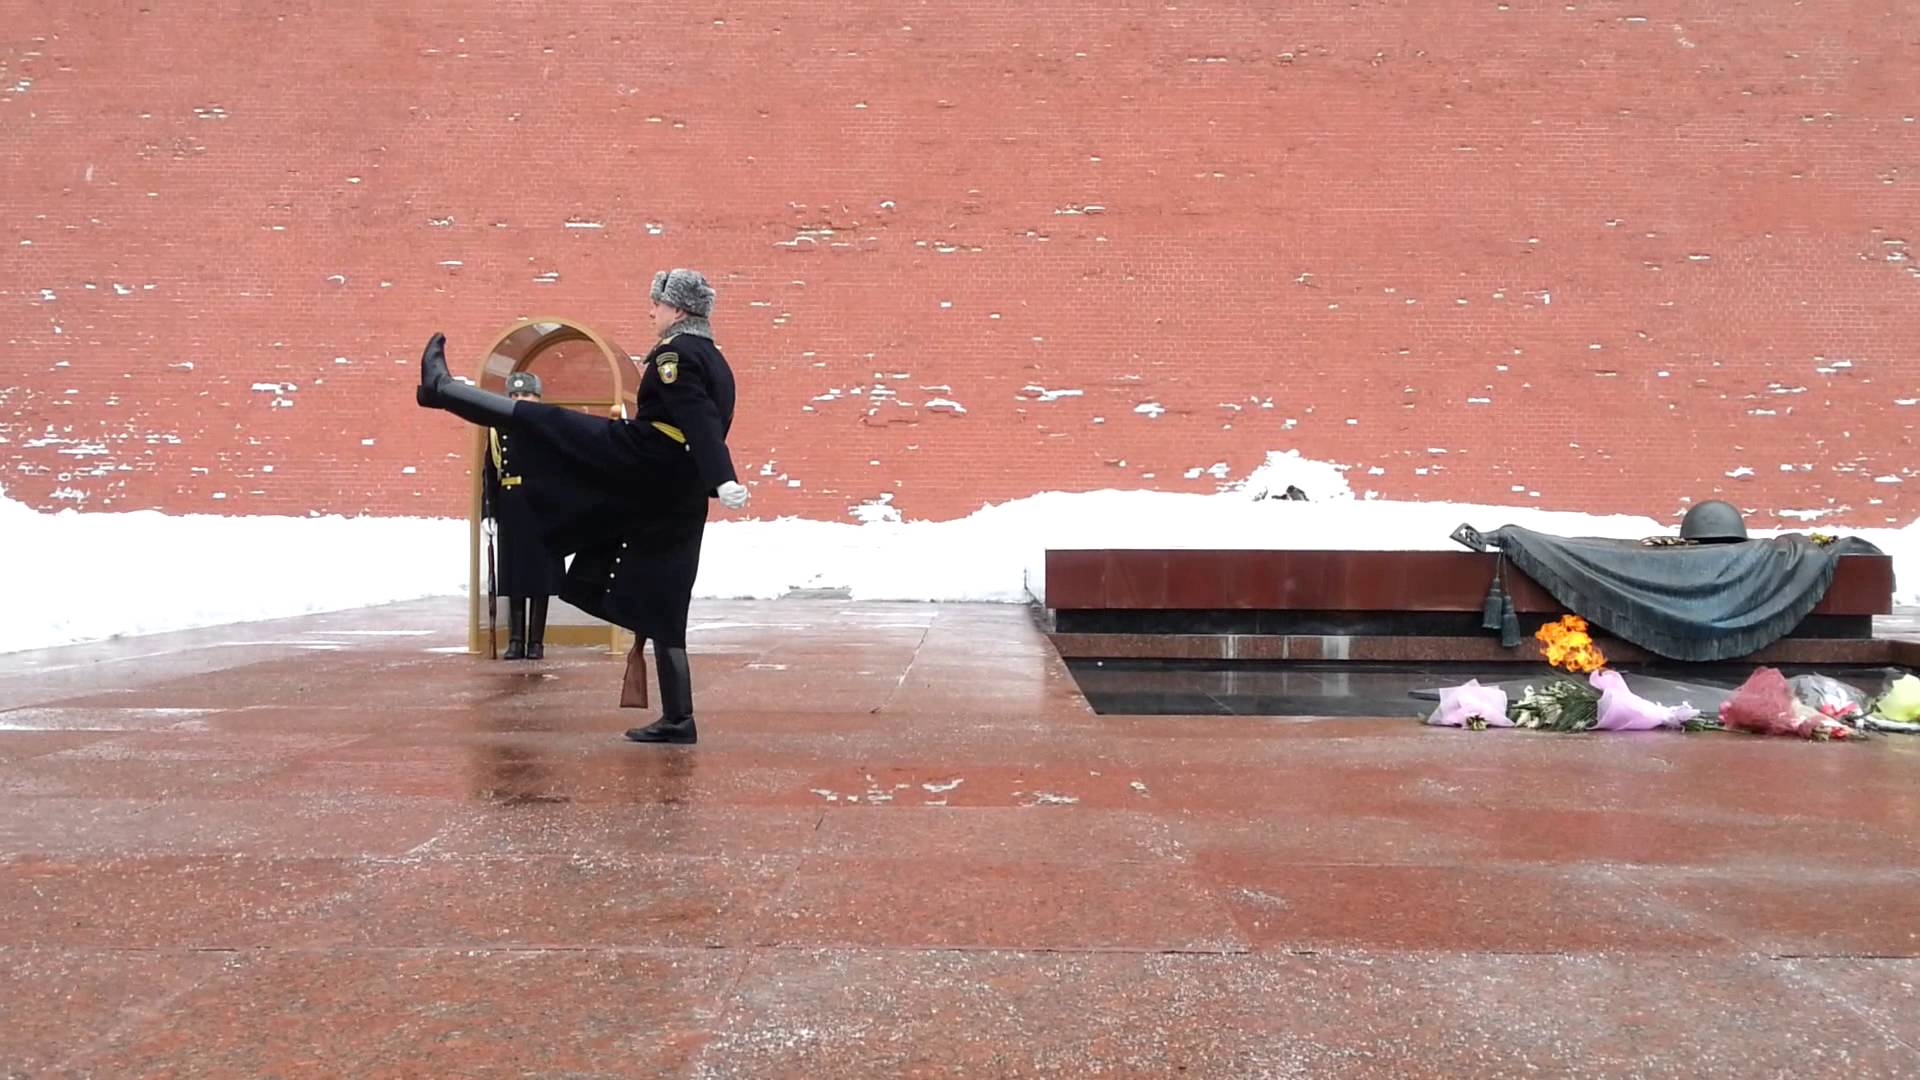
[[568, 357]]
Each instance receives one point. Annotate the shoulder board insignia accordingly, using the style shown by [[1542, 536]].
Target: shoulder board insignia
[[668, 365]]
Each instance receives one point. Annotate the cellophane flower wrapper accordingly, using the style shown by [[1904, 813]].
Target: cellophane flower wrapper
[[1471, 705], [1623, 710]]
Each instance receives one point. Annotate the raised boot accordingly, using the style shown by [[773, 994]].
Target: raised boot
[[516, 629], [676, 701], [438, 389], [433, 370], [633, 684], [537, 628]]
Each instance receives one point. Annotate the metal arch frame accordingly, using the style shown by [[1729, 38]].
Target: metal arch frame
[[564, 330]]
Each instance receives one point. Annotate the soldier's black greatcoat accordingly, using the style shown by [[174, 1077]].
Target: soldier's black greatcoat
[[524, 565], [628, 498]]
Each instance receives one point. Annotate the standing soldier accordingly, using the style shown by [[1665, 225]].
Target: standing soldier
[[529, 573], [628, 498]]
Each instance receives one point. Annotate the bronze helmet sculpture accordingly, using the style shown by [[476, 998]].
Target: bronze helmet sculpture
[[1713, 522]]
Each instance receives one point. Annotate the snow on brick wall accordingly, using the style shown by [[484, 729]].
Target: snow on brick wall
[[1583, 257]]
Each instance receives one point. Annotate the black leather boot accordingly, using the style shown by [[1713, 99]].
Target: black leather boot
[[516, 629], [438, 389], [676, 701], [537, 628]]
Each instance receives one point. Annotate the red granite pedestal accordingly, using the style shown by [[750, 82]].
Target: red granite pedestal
[[1376, 607]]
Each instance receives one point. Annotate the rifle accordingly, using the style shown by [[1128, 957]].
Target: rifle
[[493, 617], [486, 520]]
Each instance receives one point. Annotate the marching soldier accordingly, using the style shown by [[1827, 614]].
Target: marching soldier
[[627, 497], [529, 573]]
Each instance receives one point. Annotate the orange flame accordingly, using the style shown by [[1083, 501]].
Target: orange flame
[[1566, 645]]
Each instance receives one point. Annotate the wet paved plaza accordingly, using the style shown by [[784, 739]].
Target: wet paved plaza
[[338, 845]]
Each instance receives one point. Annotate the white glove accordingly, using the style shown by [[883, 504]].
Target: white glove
[[733, 494]]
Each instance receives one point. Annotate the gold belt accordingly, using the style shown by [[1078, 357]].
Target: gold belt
[[671, 432], [509, 481]]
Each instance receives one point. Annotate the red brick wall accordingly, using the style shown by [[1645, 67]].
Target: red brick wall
[[1602, 261]]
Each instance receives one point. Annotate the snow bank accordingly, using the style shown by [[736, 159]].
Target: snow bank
[[93, 576], [81, 577]]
